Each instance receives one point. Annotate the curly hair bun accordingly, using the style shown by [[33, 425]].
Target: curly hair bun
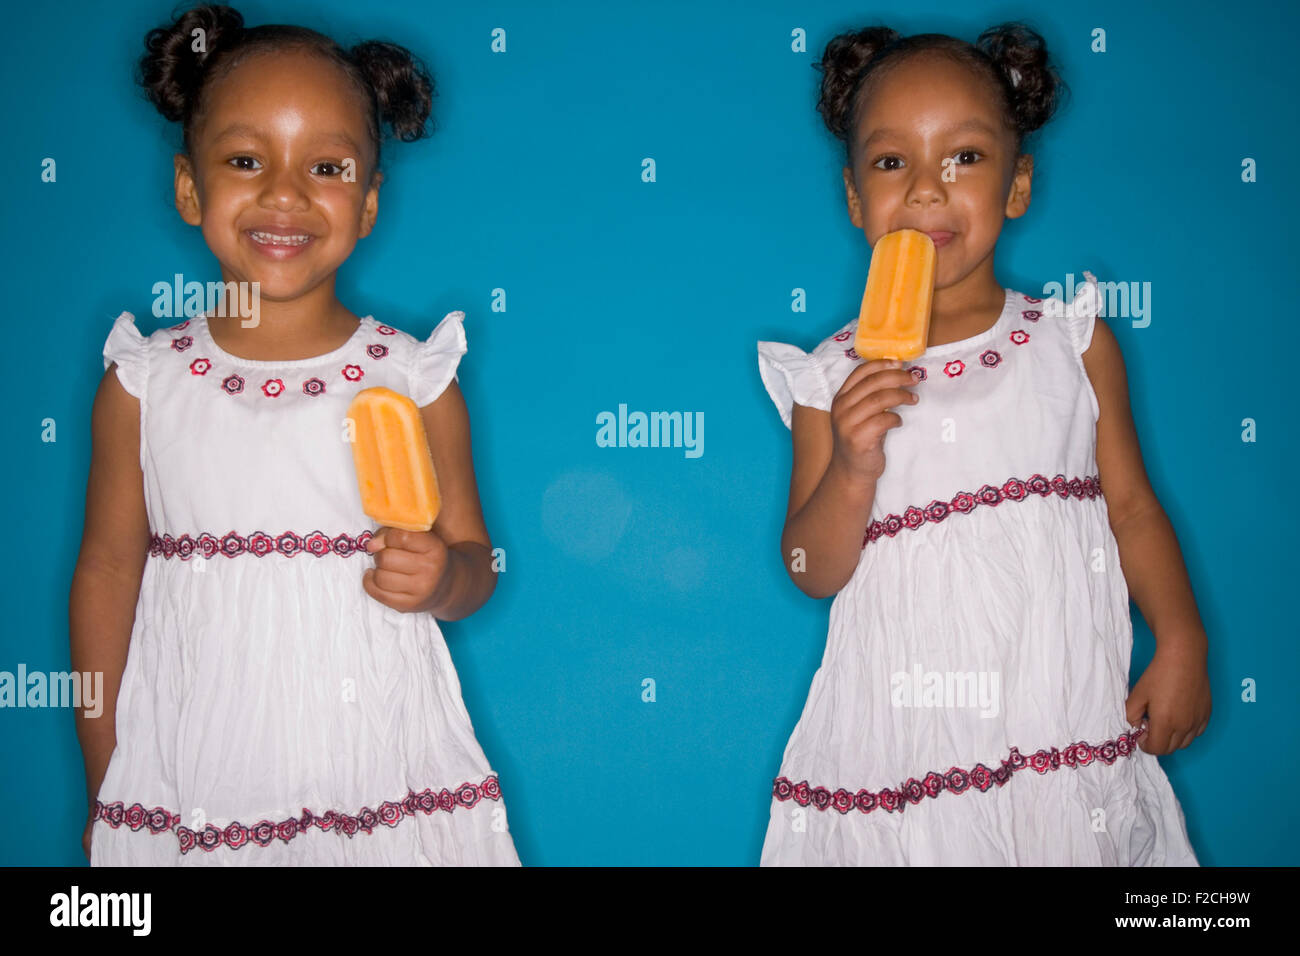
[[403, 87], [843, 66], [172, 68], [1020, 54]]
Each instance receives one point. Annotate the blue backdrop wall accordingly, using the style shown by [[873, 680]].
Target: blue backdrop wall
[[627, 563]]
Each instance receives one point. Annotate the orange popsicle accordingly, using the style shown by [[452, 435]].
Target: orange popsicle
[[394, 466], [894, 322]]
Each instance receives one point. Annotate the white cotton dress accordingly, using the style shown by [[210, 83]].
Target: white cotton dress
[[271, 711], [970, 705]]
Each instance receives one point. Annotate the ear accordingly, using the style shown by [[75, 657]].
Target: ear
[[851, 196], [1022, 181], [370, 207], [187, 191]]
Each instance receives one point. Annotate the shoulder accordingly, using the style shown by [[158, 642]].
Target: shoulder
[[126, 353], [450, 327], [432, 362], [1103, 360], [390, 334], [795, 377], [838, 343]]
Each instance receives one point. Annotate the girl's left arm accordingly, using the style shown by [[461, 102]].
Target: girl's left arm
[[448, 570], [1174, 690]]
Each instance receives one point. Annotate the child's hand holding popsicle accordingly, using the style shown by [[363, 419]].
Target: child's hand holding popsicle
[[893, 326], [399, 490]]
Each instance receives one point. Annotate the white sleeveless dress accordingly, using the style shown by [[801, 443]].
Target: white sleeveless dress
[[969, 709], [271, 711]]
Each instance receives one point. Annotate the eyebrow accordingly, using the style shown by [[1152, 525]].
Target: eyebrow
[[970, 125], [244, 129]]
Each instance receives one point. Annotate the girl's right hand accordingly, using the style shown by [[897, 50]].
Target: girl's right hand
[[860, 416]]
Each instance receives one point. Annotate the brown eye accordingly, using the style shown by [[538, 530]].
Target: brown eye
[[335, 167], [239, 161]]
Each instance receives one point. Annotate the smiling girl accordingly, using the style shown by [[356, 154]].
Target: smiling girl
[[973, 706], [283, 693]]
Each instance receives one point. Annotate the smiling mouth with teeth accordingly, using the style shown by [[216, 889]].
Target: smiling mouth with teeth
[[271, 239]]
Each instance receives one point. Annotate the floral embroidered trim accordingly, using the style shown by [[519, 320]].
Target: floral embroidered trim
[[233, 384], [988, 358], [956, 780], [964, 502], [236, 835], [258, 543]]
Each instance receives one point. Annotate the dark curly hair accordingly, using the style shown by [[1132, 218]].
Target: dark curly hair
[[1011, 56], [393, 83]]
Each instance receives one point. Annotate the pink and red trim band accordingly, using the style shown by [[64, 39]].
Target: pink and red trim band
[[956, 780], [259, 543], [1013, 489], [236, 835]]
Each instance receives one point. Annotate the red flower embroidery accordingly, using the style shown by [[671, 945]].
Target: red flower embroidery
[[843, 336], [234, 384], [937, 510], [1013, 489], [1030, 298], [1019, 336], [235, 836], [177, 328], [207, 544], [954, 368], [957, 780], [258, 544]]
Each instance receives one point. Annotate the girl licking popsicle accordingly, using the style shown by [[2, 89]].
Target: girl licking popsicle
[[973, 704], [283, 693]]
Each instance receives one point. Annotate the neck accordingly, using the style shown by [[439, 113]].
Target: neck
[[967, 302], [286, 323]]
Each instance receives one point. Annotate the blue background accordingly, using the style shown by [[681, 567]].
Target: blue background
[[632, 563]]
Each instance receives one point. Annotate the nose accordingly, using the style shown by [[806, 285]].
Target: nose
[[927, 187], [283, 188]]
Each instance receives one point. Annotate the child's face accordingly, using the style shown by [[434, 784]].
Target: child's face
[[269, 158], [907, 128]]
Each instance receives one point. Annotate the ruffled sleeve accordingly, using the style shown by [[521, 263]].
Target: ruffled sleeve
[[434, 361], [1081, 314], [129, 349], [792, 376]]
